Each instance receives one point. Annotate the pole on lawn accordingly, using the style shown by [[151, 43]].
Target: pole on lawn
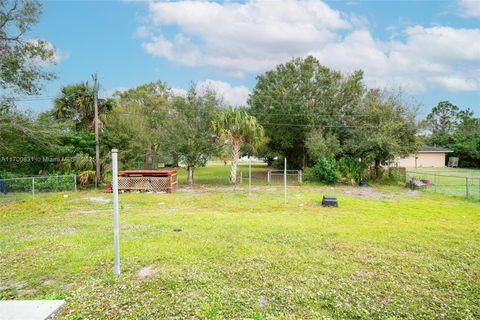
[[285, 181], [75, 183], [466, 186], [33, 187], [249, 176], [116, 222]]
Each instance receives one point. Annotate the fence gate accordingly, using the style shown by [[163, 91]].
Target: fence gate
[[276, 176], [272, 177]]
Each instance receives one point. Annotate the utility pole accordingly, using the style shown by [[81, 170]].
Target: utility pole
[[97, 142]]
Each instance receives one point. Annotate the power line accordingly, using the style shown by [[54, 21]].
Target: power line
[[314, 125]]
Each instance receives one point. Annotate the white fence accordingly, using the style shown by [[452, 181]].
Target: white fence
[[273, 177]]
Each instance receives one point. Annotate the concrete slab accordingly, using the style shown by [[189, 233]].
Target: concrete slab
[[29, 309]]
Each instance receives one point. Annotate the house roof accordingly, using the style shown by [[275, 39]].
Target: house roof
[[434, 149]]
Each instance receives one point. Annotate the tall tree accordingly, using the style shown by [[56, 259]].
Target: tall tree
[[301, 95], [384, 129], [75, 106], [443, 119], [21, 59], [455, 129], [131, 133], [237, 128], [25, 141], [186, 134]]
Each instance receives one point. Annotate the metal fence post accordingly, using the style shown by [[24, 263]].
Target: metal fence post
[[250, 177], [33, 187], [75, 183], [285, 181], [241, 177], [299, 176], [116, 222], [435, 182], [269, 177], [466, 186]]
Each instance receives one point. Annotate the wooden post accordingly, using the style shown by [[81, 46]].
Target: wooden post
[[169, 183]]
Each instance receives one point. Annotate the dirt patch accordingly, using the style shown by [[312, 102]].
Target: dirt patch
[[147, 272], [368, 192], [262, 302], [83, 212], [99, 199]]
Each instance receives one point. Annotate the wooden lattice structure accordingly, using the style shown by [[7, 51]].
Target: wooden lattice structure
[[148, 180]]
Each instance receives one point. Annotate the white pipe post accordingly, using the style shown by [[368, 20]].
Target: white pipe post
[[285, 180], [75, 183], [116, 222], [249, 176], [33, 187]]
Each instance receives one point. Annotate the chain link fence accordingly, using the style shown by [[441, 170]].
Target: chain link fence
[[454, 183], [38, 184]]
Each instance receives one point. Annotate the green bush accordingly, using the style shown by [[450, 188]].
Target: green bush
[[310, 174], [351, 168], [325, 171]]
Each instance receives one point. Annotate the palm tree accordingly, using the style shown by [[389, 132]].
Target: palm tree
[[75, 105], [235, 127]]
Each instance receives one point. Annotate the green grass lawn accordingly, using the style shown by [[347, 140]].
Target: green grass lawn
[[385, 253], [219, 174], [450, 180]]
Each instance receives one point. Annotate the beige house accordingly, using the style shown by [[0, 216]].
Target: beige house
[[425, 157]]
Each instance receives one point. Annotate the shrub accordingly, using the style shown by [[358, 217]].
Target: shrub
[[324, 171], [310, 174], [352, 169]]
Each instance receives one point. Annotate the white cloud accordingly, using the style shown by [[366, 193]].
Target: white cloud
[[252, 37], [58, 55], [142, 32], [469, 8], [232, 95], [417, 63], [456, 83], [241, 38], [106, 94]]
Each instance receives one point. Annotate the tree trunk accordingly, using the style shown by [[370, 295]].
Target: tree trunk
[[235, 156], [190, 176], [377, 169], [304, 157]]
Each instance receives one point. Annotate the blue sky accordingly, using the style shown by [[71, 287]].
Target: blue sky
[[431, 49]]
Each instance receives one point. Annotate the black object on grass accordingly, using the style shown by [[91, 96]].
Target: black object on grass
[[177, 230], [329, 201]]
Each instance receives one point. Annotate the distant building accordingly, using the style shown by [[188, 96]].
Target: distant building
[[427, 156]]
